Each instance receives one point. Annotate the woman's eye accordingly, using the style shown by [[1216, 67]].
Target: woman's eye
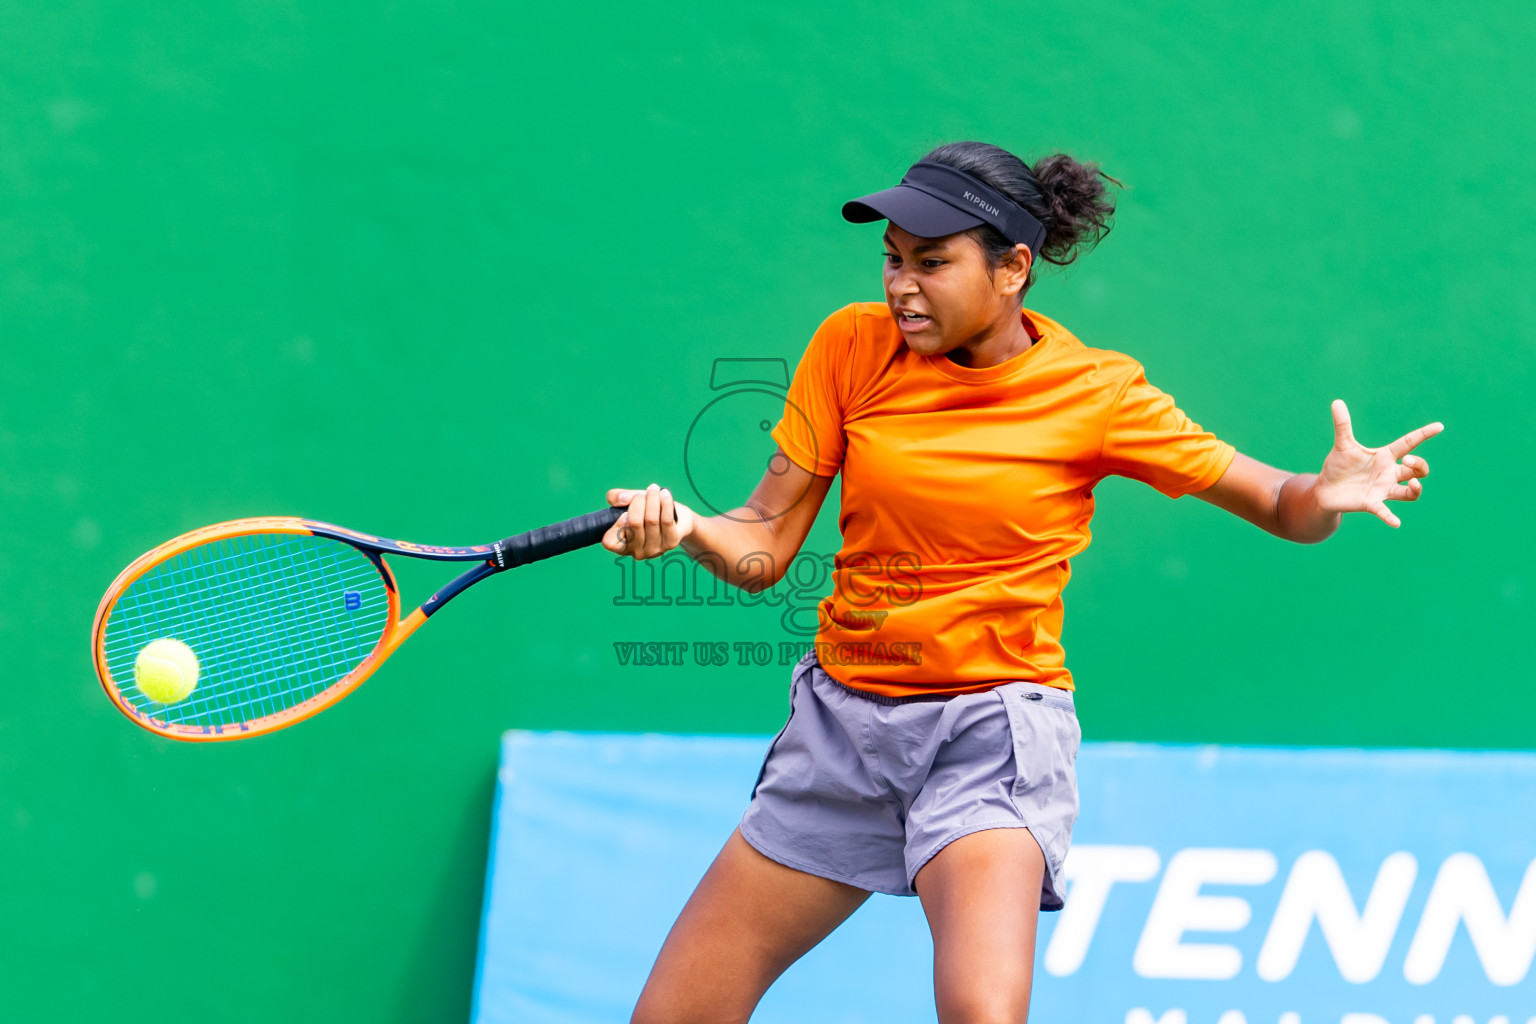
[[930, 264], [892, 258]]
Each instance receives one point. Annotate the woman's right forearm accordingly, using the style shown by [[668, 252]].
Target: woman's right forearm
[[738, 547]]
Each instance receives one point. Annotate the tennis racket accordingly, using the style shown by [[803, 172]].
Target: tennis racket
[[285, 616]]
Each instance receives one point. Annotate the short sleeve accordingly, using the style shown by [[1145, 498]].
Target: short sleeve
[[811, 430], [1148, 438]]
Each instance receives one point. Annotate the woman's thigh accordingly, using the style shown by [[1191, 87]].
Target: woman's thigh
[[748, 920], [981, 894]]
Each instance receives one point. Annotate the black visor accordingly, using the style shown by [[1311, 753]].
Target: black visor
[[934, 200]]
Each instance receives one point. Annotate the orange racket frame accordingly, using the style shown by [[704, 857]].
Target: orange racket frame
[[520, 549]]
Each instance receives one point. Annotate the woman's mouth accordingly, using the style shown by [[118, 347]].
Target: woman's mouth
[[912, 321]]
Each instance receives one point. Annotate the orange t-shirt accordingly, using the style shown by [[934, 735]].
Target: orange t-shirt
[[965, 491]]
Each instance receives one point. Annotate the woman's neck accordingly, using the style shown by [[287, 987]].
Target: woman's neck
[[997, 345]]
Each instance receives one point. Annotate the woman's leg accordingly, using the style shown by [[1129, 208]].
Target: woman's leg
[[747, 921], [982, 897]]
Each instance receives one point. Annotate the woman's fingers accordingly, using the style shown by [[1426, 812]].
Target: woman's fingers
[[1383, 513], [1406, 492], [639, 525], [617, 537], [622, 535], [1342, 431], [1411, 440], [1412, 467], [667, 517], [647, 527], [652, 543]]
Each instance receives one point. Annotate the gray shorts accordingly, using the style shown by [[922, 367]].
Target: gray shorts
[[866, 789]]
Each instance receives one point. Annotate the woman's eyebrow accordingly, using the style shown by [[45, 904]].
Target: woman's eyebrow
[[925, 247]]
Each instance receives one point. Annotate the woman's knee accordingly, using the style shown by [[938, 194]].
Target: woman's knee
[[990, 1006]]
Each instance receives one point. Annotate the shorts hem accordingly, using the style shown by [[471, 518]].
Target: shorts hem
[[1048, 881], [757, 843]]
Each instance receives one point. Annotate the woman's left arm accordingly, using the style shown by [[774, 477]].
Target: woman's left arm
[[1305, 507]]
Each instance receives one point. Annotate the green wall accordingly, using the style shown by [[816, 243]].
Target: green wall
[[447, 270]]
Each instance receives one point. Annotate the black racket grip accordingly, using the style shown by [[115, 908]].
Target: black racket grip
[[557, 538]]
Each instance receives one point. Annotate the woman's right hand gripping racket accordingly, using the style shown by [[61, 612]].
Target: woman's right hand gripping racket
[[245, 627]]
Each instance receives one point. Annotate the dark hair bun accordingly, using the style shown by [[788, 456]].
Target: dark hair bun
[[1079, 205]]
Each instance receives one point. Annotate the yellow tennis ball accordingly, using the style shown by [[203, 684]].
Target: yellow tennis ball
[[166, 671]]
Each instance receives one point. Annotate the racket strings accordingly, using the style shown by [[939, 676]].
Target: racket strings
[[274, 620]]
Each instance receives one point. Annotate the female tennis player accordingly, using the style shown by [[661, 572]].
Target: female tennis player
[[932, 734]]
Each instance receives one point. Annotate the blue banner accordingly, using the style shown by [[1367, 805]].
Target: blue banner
[[1206, 885]]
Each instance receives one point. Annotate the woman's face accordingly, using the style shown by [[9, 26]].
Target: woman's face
[[942, 293]]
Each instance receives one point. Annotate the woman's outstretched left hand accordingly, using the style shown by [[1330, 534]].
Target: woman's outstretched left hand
[[1355, 478]]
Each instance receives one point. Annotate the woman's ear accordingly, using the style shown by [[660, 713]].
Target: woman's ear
[[1013, 276]]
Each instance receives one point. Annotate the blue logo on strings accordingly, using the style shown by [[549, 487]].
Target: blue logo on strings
[[353, 601]]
